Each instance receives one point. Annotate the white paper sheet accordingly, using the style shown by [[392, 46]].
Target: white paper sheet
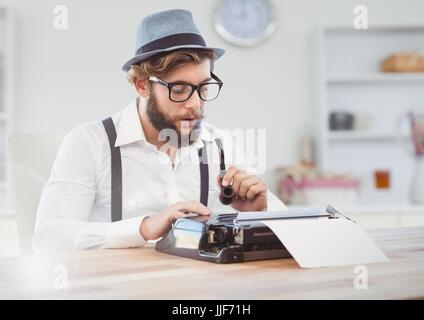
[[317, 243]]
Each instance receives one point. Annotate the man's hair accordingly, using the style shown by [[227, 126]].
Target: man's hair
[[161, 64]]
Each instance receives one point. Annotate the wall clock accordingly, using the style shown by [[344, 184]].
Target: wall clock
[[245, 23]]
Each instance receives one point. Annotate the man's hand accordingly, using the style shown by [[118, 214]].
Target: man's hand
[[250, 191], [157, 225]]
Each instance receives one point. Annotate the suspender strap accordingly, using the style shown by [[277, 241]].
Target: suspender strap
[[204, 175], [221, 154], [204, 170], [116, 166], [116, 175]]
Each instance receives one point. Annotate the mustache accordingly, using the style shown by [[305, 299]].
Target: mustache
[[197, 116]]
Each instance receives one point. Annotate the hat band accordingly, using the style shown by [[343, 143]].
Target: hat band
[[179, 39]]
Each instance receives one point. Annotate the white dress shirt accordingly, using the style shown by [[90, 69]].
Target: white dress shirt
[[75, 206]]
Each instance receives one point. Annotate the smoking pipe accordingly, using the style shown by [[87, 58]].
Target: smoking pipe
[[226, 196]]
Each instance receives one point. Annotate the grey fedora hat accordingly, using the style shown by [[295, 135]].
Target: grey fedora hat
[[167, 31]]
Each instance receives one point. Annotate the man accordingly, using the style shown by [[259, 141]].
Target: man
[[123, 181]]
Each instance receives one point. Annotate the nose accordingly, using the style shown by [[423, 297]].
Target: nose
[[194, 102]]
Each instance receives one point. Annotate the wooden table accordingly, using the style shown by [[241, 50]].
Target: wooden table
[[146, 274]]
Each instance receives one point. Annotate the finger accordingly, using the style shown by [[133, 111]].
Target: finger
[[254, 190], [238, 178], [177, 214], [226, 181], [246, 184], [192, 206]]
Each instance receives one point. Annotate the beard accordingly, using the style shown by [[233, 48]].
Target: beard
[[166, 125]]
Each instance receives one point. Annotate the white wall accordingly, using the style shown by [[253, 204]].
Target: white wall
[[69, 77]]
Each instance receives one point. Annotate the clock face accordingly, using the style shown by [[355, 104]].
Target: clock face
[[245, 22]]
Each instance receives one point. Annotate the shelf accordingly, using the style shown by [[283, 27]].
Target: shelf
[[349, 79], [361, 135], [376, 77]]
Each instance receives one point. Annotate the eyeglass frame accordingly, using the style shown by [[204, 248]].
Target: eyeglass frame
[[197, 88]]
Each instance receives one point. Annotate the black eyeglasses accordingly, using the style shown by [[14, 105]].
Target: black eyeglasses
[[181, 91]]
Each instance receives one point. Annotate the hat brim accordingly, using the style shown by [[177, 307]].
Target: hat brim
[[139, 58]]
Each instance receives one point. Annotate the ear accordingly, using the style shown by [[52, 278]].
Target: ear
[[142, 87]]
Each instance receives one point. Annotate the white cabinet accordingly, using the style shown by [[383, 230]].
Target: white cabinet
[[348, 79], [7, 103]]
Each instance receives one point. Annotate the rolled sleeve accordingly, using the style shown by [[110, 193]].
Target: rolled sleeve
[[63, 215], [125, 234]]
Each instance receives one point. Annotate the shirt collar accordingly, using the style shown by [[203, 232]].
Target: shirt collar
[[130, 130]]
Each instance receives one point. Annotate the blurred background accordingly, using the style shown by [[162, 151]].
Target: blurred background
[[337, 84]]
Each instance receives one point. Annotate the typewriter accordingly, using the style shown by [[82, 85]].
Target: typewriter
[[231, 237]]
